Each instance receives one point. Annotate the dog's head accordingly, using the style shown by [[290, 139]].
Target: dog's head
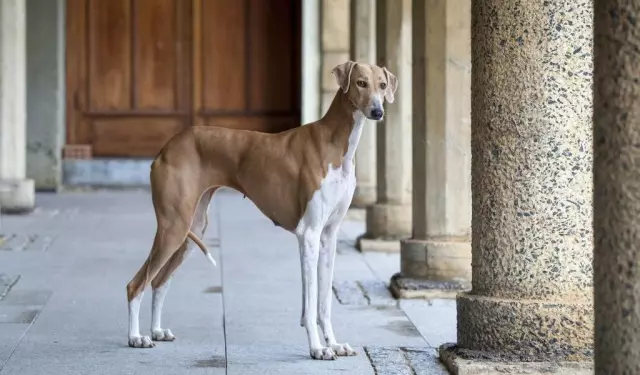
[[366, 86]]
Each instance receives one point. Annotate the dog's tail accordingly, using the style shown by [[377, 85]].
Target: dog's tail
[[202, 247]]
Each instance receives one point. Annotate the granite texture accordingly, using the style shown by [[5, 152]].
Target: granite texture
[[525, 330], [531, 180], [617, 187], [466, 362]]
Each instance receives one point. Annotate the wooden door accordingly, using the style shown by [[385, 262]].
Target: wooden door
[[139, 71], [247, 57]]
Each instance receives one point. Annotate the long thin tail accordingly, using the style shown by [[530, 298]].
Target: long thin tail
[[202, 247]]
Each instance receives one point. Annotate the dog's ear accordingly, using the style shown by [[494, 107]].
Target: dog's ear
[[392, 86], [342, 73]]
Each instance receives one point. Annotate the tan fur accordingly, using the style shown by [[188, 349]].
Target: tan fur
[[278, 172]]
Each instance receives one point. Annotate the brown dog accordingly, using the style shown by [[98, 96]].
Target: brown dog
[[303, 179]]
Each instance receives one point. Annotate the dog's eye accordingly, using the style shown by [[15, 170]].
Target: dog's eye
[[362, 84], [383, 85]]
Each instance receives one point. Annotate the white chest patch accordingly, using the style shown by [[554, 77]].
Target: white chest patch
[[332, 199]]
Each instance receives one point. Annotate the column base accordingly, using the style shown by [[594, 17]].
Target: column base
[[356, 213], [526, 330], [413, 288], [17, 196], [365, 244], [445, 260], [388, 222], [364, 196], [467, 362]]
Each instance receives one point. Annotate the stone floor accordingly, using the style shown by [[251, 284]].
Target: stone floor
[[63, 271]]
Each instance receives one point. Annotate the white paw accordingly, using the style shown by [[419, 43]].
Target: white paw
[[141, 342], [343, 350], [323, 354], [162, 335]]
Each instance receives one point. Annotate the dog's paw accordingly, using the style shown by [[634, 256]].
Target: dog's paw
[[162, 335], [343, 350], [326, 354], [141, 342]]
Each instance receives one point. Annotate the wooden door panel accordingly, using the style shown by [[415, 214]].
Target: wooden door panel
[[268, 124], [109, 54], [113, 134], [129, 88], [139, 71], [155, 61], [223, 50], [270, 56], [249, 64]]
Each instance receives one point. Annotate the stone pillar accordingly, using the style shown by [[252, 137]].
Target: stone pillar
[[45, 92], [311, 62], [389, 219], [617, 185], [531, 297], [437, 259], [335, 45], [363, 49], [17, 194]]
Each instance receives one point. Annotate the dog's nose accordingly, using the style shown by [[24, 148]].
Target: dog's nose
[[376, 113]]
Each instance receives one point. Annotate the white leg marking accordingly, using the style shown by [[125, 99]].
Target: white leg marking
[[135, 340], [303, 317], [157, 332], [309, 249], [325, 279]]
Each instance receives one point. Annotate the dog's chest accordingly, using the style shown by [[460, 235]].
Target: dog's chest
[[336, 189], [330, 201]]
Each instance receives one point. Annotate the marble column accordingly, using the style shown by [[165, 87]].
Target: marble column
[[616, 135], [389, 219], [17, 193], [436, 260], [531, 140], [363, 49]]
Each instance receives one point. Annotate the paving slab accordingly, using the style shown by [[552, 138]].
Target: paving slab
[[262, 291], [405, 361], [78, 288], [240, 318], [435, 319], [10, 336]]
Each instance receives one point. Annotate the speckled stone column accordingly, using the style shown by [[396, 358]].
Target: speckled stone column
[[363, 49], [531, 296], [389, 219], [617, 187], [436, 260]]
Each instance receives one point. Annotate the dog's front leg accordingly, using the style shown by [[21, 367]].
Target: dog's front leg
[[309, 251], [326, 261]]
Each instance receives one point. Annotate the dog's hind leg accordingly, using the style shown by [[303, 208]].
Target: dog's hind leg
[[170, 235], [160, 284]]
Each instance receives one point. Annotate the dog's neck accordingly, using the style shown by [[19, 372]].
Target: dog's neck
[[345, 123]]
